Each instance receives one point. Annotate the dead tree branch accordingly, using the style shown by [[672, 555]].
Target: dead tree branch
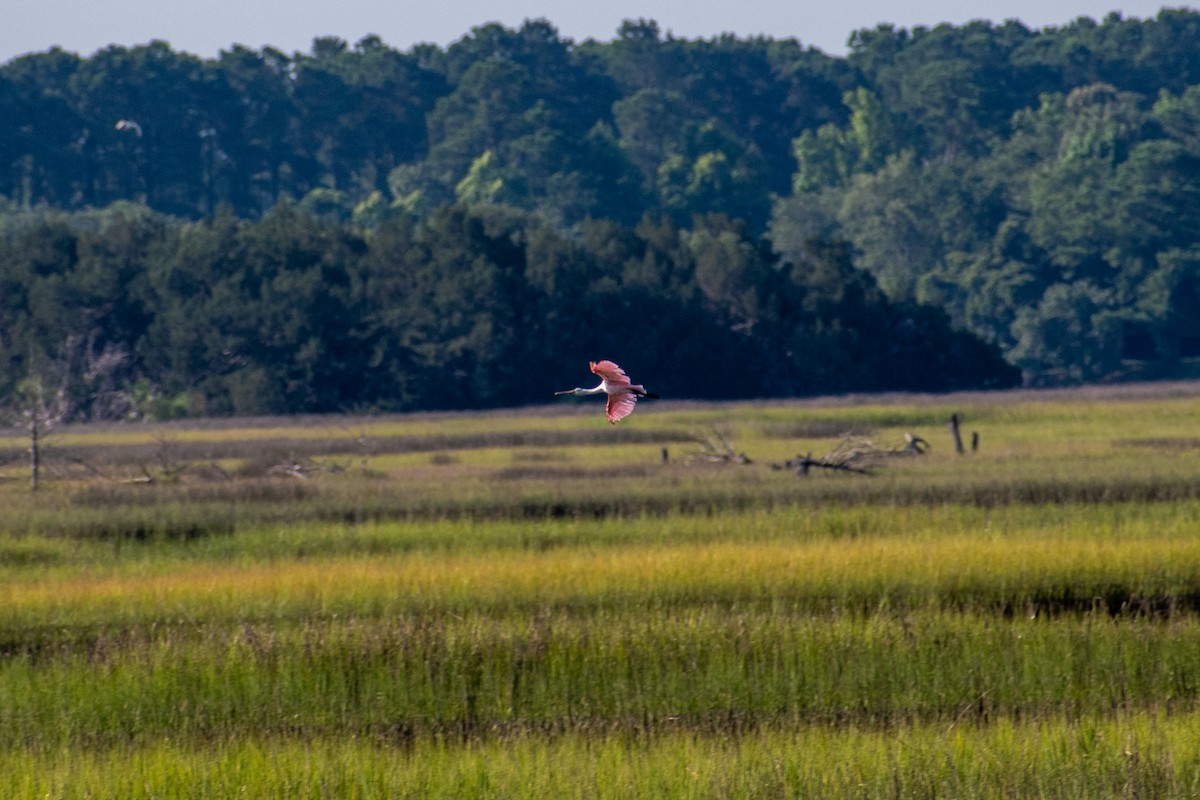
[[717, 448], [856, 454]]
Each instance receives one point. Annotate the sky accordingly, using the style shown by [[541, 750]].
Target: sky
[[206, 27]]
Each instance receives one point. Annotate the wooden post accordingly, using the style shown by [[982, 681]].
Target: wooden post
[[958, 445], [974, 441]]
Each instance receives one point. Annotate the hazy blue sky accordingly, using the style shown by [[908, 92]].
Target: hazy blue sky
[[204, 28]]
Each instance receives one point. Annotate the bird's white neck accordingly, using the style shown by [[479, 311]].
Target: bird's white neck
[[603, 387]]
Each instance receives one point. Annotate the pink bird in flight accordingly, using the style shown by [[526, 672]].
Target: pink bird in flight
[[622, 394]]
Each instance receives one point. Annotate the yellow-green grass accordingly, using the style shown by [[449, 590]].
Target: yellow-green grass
[[708, 670], [1128, 755], [979, 570], [533, 604], [1139, 448], [1017, 424], [727, 622], [795, 523], [566, 489], [857, 558]]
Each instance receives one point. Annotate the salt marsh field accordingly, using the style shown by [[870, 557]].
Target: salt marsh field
[[534, 603]]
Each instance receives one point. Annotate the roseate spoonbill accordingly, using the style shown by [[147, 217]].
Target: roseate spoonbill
[[622, 395]]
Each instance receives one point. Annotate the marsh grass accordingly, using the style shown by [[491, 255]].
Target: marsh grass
[[564, 486], [1127, 755], [1006, 579], [535, 604], [710, 671], [116, 448]]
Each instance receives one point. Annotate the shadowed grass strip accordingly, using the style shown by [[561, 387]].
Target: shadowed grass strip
[[530, 494]]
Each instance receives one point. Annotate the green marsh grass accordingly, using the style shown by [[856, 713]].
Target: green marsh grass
[[1054, 558], [708, 671], [1126, 755], [534, 604]]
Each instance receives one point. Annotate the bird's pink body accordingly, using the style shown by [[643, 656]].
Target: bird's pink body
[[622, 393]]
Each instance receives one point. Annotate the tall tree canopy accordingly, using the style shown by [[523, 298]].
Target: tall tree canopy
[[467, 307], [398, 214]]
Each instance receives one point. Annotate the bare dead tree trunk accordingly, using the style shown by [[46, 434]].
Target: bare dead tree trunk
[[34, 452], [43, 409]]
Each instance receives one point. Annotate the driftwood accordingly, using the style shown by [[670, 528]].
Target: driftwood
[[802, 465], [716, 448], [855, 454], [304, 469], [291, 470]]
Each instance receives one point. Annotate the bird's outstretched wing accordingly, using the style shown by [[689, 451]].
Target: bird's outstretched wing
[[609, 371], [620, 406]]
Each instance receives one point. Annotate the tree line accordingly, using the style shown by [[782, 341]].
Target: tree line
[[124, 312], [1038, 187]]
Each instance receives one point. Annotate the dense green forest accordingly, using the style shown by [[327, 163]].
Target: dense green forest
[[359, 227]]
